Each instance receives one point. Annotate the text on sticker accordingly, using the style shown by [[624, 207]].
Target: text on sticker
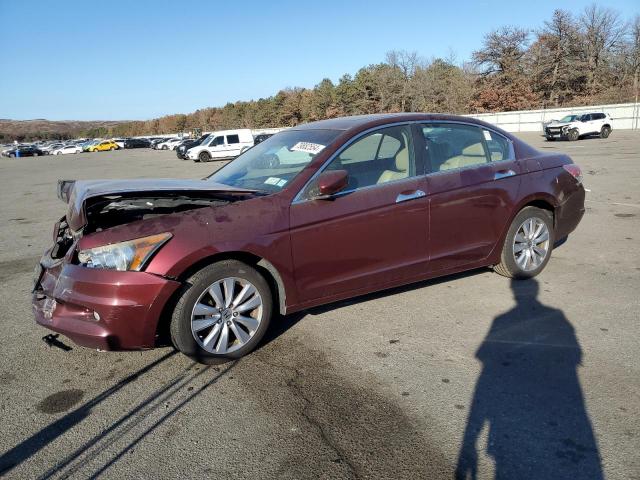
[[307, 147]]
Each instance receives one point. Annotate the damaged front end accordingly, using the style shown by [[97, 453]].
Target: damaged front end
[[100, 295]]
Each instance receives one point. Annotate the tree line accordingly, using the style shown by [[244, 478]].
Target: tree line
[[592, 57]]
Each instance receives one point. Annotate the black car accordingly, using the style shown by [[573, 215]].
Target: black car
[[181, 150], [136, 143], [28, 151], [261, 138]]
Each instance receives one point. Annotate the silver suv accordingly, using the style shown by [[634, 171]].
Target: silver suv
[[572, 127]]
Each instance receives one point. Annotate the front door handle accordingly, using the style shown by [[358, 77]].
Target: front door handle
[[411, 195], [503, 174]]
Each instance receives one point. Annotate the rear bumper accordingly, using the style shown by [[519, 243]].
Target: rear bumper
[[569, 213], [103, 309]]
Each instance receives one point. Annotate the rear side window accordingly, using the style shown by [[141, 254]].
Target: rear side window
[[452, 146], [233, 139], [499, 147], [597, 116]]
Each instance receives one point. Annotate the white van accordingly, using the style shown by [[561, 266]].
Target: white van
[[222, 144]]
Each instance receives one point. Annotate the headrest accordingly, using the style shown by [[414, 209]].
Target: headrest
[[402, 160]]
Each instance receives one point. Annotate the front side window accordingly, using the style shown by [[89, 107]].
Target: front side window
[[233, 139], [272, 164], [217, 141], [379, 157]]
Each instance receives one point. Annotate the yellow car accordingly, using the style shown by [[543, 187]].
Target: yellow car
[[103, 146]]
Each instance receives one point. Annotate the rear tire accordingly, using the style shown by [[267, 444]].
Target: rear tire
[[605, 132], [221, 325], [204, 157], [522, 253]]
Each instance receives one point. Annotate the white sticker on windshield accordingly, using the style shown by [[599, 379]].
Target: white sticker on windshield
[[487, 135], [307, 147], [281, 183], [273, 181]]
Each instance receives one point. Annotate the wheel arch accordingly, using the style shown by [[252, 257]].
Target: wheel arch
[[262, 265], [544, 201]]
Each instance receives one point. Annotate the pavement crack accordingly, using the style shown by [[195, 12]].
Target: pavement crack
[[294, 384]]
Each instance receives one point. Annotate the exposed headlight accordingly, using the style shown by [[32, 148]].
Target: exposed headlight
[[131, 255]]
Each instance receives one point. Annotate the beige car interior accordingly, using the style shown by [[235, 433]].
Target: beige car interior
[[402, 167], [470, 155]]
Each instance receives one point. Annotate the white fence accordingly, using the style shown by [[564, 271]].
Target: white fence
[[624, 116]]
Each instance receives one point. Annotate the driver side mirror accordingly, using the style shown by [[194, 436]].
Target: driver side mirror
[[329, 183]]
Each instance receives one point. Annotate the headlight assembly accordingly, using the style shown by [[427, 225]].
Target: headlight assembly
[[131, 255]]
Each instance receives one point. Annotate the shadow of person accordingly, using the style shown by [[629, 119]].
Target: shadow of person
[[529, 397]]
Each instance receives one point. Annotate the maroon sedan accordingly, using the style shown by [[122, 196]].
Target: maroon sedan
[[317, 213]]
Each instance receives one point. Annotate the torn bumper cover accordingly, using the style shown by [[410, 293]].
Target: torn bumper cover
[[103, 309]]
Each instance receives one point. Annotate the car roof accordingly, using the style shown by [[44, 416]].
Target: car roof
[[362, 122]]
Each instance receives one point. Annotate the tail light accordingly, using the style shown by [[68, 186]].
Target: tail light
[[574, 170]]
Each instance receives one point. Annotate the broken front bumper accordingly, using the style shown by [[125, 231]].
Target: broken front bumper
[[103, 309]]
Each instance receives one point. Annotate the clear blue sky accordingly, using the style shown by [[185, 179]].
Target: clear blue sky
[[91, 60]]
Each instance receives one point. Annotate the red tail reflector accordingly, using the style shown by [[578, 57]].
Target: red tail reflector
[[574, 170]]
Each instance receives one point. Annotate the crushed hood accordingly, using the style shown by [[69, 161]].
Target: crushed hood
[[78, 193]]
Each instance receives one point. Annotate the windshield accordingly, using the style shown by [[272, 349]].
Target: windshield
[[568, 118], [272, 164]]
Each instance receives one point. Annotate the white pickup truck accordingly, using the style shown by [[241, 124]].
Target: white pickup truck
[[572, 127]]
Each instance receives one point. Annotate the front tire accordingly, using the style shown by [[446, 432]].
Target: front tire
[[550, 139], [222, 313], [204, 157], [573, 135], [605, 132], [528, 244]]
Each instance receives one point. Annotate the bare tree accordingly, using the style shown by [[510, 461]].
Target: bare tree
[[603, 36], [556, 60], [502, 51]]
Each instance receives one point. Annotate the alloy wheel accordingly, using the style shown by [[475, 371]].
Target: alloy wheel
[[531, 244], [226, 315]]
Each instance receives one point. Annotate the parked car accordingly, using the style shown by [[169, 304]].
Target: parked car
[[119, 142], [315, 214], [222, 145], [157, 141], [573, 127], [88, 144], [49, 148], [181, 150], [103, 146], [136, 143], [261, 138], [67, 149], [169, 144], [23, 151]]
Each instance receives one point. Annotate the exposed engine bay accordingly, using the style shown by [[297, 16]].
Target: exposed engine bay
[[112, 210]]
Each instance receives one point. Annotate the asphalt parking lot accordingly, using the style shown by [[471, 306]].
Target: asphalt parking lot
[[536, 379]]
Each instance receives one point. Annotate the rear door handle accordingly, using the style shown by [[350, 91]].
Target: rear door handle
[[503, 174], [406, 196]]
